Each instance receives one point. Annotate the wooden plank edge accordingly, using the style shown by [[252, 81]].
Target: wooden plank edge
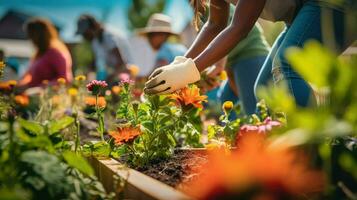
[[139, 185]]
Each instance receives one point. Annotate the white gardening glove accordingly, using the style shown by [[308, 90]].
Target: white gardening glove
[[169, 78]]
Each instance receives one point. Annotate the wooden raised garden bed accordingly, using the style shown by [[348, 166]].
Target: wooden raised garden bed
[[137, 184]]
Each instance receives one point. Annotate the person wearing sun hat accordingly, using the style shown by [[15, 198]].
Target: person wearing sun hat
[[157, 31]]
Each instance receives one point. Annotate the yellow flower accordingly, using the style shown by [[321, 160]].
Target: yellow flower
[[223, 75], [12, 83], [227, 106], [134, 70], [61, 81], [2, 65], [72, 92], [80, 78]]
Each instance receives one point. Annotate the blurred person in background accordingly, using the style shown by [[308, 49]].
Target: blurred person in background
[[111, 50], [217, 38], [52, 59], [158, 30]]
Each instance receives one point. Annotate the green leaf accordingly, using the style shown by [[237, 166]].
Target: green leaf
[[211, 132], [44, 165], [311, 60], [58, 125], [101, 149], [32, 126], [77, 161]]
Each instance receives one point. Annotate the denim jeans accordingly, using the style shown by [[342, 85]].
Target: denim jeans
[[245, 73], [306, 26]]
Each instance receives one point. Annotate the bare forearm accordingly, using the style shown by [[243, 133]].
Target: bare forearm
[[218, 48], [217, 21], [245, 16], [206, 35]]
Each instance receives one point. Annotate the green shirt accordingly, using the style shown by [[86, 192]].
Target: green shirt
[[251, 46]]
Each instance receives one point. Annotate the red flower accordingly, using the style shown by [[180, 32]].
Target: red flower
[[96, 86], [125, 134], [255, 171]]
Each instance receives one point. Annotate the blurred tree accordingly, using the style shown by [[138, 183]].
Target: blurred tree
[[141, 10]]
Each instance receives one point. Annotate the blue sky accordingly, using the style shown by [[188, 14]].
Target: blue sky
[[112, 12]]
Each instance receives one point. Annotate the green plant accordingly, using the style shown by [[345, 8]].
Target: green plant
[[152, 129], [97, 88], [141, 10], [35, 161], [327, 131]]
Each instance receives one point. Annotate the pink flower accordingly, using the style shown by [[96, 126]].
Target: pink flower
[[260, 129], [125, 78], [96, 86]]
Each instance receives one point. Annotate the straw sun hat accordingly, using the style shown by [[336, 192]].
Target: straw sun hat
[[158, 23]]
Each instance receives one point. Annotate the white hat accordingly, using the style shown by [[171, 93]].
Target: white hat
[[157, 23]]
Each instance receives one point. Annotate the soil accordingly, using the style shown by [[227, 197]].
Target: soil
[[177, 170]]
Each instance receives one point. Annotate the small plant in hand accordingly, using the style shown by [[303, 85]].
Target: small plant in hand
[[97, 88]]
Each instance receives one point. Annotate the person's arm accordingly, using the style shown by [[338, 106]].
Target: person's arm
[[164, 80], [246, 14], [217, 21]]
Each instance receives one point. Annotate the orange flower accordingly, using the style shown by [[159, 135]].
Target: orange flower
[[134, 70], [22, 100], [8, 85], [190, 96], [45, 82], [90, 101], [4, 86], [116, 90], [253, 171], [125, 134], [56, 100]]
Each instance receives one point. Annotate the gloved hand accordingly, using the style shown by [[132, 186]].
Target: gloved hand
[[169, 78]]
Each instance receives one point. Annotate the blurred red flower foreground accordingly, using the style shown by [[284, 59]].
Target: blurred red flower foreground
[[255, 171]]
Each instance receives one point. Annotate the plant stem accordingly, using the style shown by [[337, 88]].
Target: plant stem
[[100, 119], [77, 143]]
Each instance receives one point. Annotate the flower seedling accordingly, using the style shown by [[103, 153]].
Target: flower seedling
[[97, 88]]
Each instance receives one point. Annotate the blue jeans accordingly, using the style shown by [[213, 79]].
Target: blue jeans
[[306, 26], [245, 73]]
